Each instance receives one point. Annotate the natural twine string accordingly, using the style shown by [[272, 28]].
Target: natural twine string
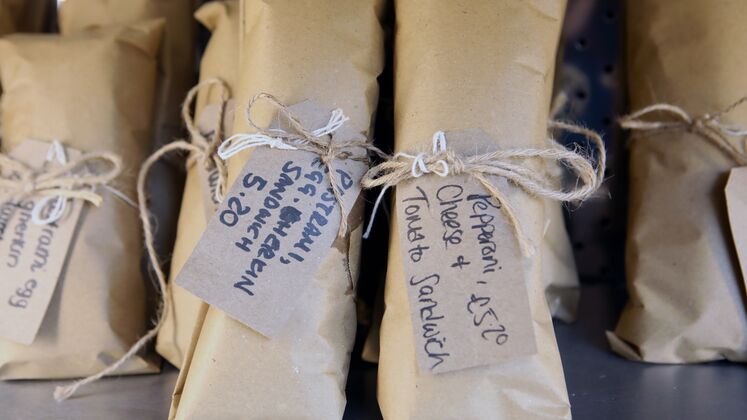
[[510, 164], [708, 127], [206, 153], [318, 141], [201, 149], [76, 179]]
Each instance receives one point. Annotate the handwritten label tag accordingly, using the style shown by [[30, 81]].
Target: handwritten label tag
[[31, 256], [465, 280], [736, 204], [273, 229], [209, 178]]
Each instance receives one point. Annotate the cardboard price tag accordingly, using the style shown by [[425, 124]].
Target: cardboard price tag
[[272, 231], [31, 256], [466, 285]]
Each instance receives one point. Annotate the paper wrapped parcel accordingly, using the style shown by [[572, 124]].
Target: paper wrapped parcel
[[88, 103], [175, 76], [687, 301], [330, 52], [219, 60], [474, 65]]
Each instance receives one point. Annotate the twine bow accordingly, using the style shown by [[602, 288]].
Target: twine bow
[[318, 141], [203, 151], [708, 127], [510, 164], [76, 179]]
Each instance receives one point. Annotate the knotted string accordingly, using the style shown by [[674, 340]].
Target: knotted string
[[76, 179], [510, 164], [708, 127], [201, 149], [205, 152], [318, 141]]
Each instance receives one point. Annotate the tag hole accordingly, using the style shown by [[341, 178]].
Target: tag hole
[[582, 44]]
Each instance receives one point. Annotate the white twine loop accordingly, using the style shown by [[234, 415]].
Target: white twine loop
[[419, 168], [242, 141], [336, 120], [53, 214], [731, 129], [55, 152]]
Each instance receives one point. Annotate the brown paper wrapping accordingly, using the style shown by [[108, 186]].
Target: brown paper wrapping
[[486, 65], [175, 77], [687, 302], [101, 100], [219, 61], [330, 52], [559, 271]]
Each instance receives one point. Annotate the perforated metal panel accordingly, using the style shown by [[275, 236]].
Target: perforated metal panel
[[591, 76]]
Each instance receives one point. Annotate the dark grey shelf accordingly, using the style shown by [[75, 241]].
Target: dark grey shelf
[[601, 385]]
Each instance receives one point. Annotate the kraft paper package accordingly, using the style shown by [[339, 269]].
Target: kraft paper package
[[220, 60], [687, 301], [175, 77], [100, 101], [331, 52], [558, 268], [501, 84]]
